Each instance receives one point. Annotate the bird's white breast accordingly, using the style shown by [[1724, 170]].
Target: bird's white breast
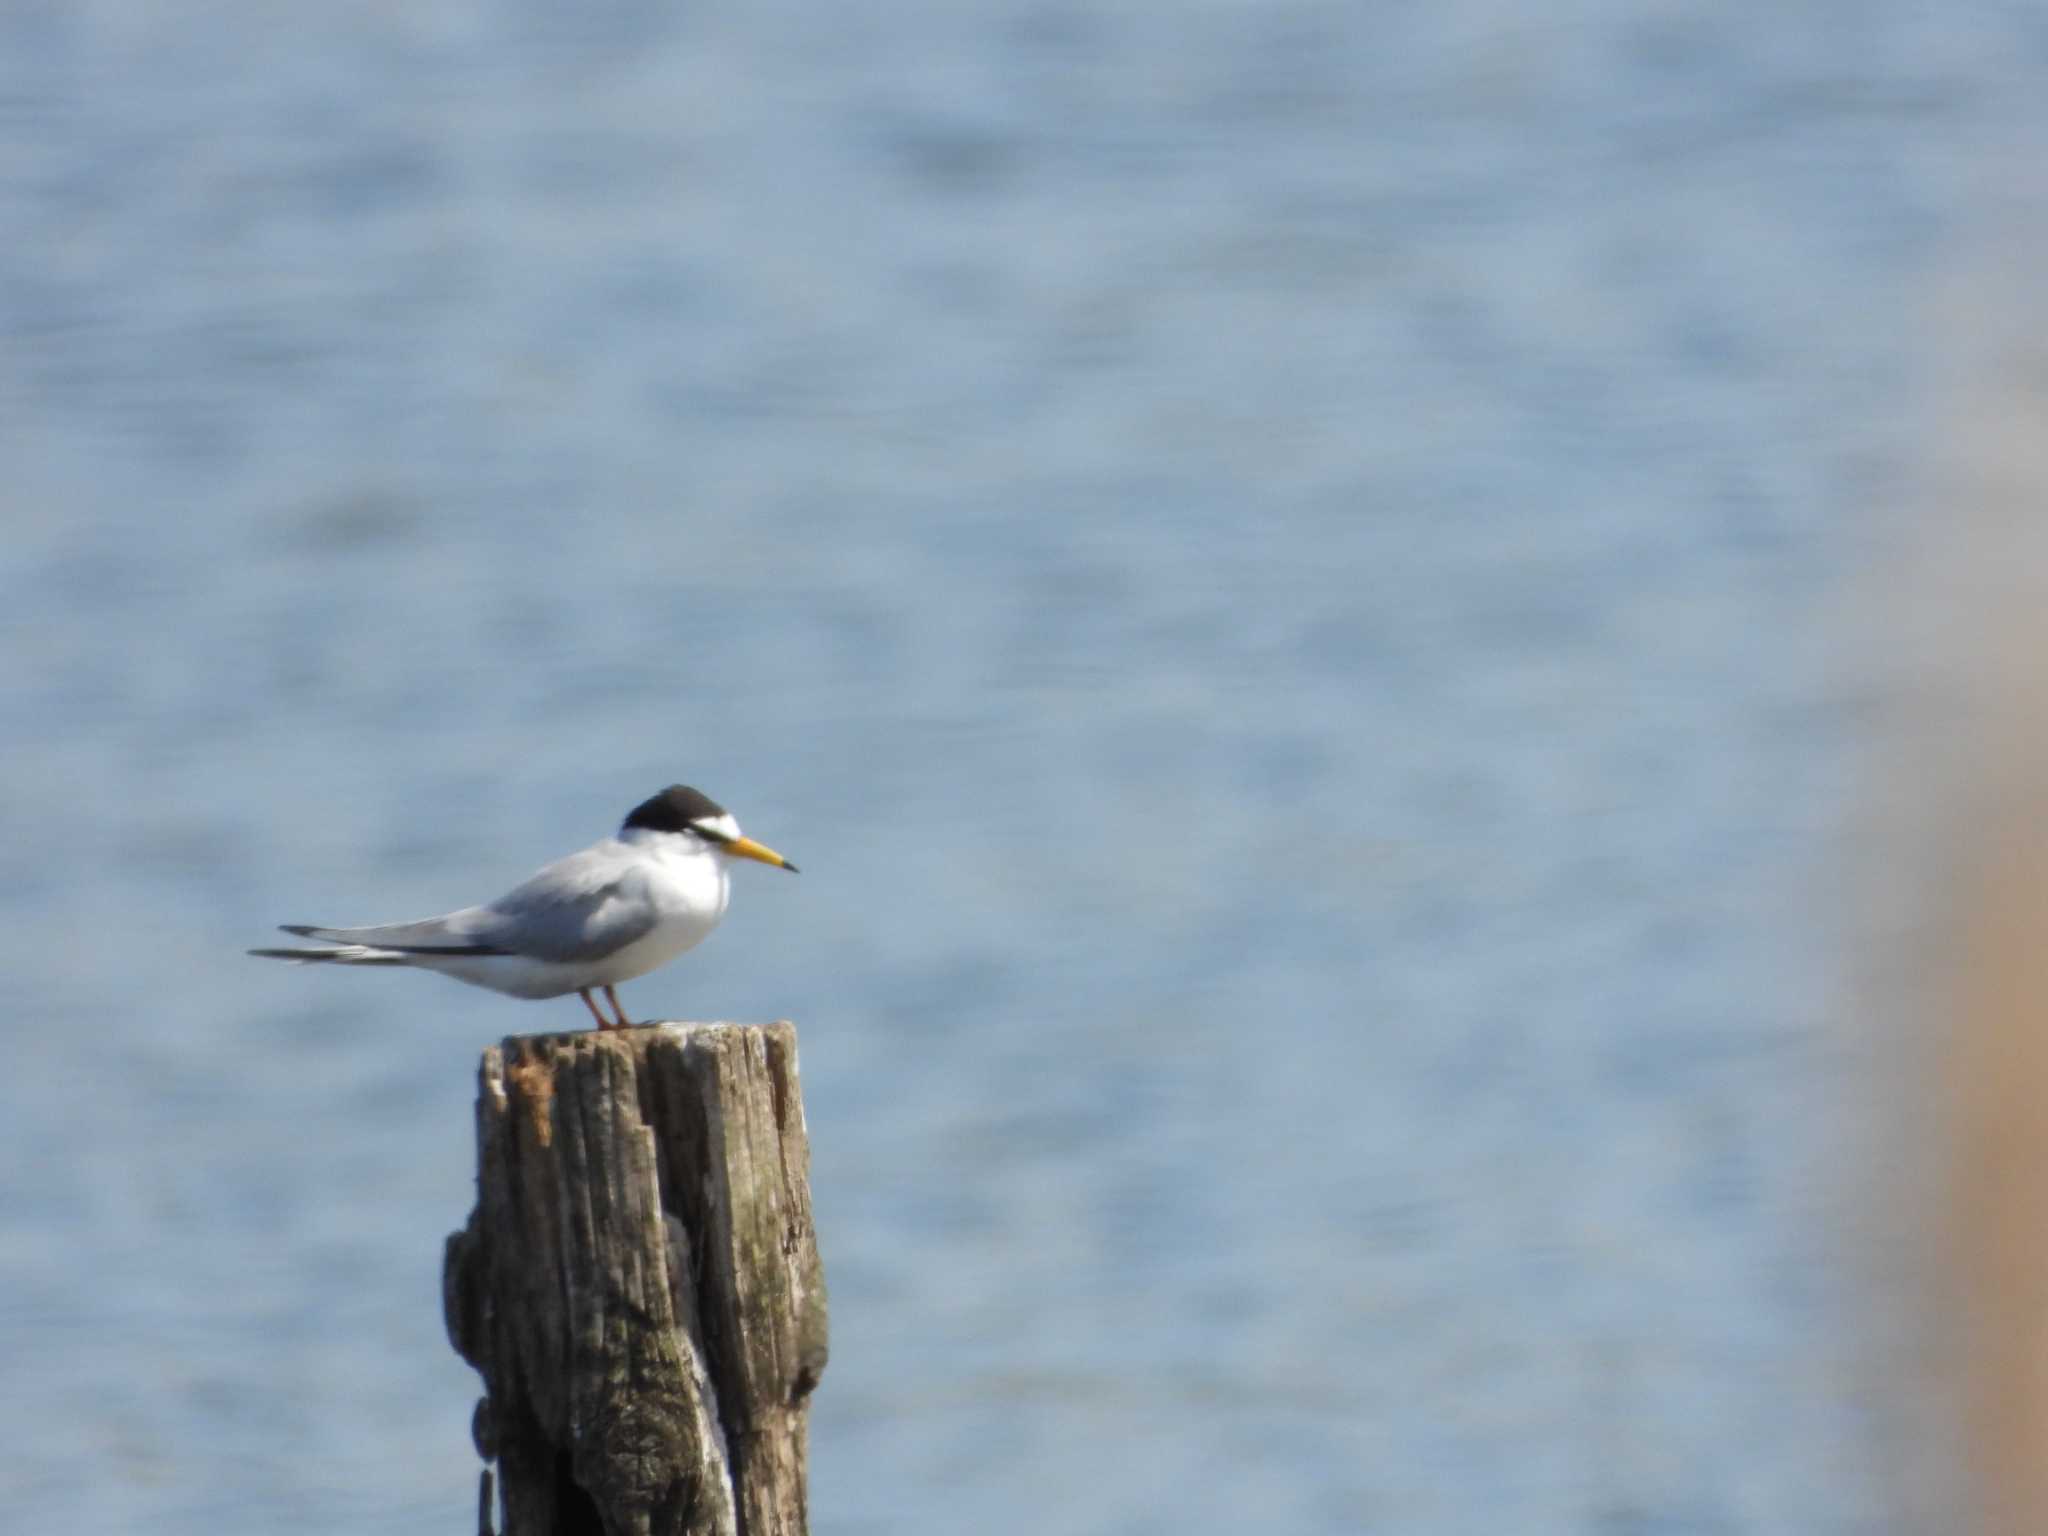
[[689, 887]]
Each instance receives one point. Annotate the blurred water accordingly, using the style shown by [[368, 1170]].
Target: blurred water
[[1264, 558]]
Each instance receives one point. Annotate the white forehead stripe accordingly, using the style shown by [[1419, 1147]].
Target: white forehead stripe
[[723, 825]]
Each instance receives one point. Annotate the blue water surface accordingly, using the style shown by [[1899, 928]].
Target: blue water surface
[[1263, 557]]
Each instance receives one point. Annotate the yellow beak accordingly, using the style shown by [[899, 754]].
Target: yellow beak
[[747, 848]]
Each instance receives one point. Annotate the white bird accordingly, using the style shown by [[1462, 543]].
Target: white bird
[[617, 910]]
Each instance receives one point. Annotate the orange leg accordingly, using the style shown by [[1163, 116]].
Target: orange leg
[[602, 1021], [618, 1008]]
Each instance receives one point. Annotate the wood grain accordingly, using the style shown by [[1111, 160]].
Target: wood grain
[[639, 1285]]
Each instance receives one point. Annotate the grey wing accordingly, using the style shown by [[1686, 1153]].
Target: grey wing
[[581, 908], [450, 933]]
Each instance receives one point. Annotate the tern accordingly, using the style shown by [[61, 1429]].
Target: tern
[[617, 910]]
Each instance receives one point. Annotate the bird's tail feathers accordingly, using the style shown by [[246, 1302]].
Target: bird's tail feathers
[[430, 938], [421, 943], [347, 954], [356, 938]]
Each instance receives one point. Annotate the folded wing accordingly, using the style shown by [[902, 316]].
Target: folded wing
[[448, 935], [579, 909]]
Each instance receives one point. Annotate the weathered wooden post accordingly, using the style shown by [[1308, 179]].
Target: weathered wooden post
[[639, 1284]]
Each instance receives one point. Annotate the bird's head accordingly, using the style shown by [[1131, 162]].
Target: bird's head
[[692, 813]]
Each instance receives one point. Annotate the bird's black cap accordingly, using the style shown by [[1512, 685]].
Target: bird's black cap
[[673, 810]]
